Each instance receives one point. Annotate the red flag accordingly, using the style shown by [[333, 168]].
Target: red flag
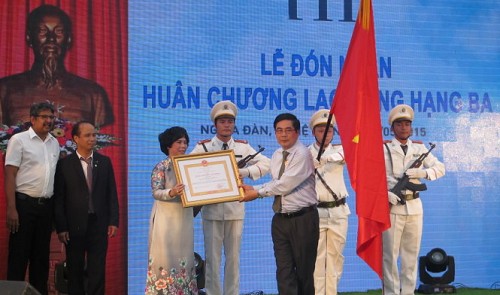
[[357, 111]]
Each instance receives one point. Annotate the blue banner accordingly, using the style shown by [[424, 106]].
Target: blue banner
[[268, 57]]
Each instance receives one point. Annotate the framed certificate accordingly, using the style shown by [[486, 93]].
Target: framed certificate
[[208, 178]]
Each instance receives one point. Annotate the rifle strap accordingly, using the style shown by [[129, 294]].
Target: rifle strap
[[205, 147], [335, 197], [390, 157]]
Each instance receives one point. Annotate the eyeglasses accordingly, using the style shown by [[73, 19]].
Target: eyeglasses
[[286, 131], [45, 117]]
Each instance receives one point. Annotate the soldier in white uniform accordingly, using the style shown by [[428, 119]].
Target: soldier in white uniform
[[332, 207], [404, 237], [223, 223]]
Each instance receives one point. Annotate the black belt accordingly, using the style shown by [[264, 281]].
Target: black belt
[[331, 204], [408, 197], [297, 213], [33, 200]]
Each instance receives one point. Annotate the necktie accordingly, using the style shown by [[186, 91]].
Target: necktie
[[405, 148], [89, 181], [225, 146], [277, 199]]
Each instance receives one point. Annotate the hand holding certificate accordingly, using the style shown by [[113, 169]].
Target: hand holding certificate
[[250, 193], [208, 178]]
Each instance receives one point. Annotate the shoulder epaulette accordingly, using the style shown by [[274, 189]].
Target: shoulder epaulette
[[241, 141], [417, 141], [204, 141], [387, 141], [336, 144]]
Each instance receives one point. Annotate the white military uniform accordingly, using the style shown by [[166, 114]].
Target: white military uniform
[[403, 238], [332, 221], [223, 223]]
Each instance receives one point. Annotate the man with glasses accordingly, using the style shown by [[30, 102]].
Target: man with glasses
[[30, 165], [295, 224]]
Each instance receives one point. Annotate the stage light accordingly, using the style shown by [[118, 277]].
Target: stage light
[[437, 271]]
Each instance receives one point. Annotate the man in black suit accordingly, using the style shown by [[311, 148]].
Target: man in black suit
[[86, 212]]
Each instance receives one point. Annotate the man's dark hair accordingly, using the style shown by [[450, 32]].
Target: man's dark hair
[[36, 108], [288, 116], [171, 135], [76, 128], [38, 13]]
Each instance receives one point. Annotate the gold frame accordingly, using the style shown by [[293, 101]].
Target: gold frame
[[209, 178]]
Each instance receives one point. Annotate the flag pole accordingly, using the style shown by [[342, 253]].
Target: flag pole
[[323, 140]]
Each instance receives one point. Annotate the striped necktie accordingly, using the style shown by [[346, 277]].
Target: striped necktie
[[277, 199]]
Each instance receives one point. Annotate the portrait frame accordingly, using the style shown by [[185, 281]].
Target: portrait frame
[[208, 178]]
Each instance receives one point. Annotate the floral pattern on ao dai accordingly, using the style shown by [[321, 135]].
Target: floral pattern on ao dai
[[171, 249]]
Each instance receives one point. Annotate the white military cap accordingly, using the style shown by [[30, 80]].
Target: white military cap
[[320, 117], [401, 112], [221, 108]]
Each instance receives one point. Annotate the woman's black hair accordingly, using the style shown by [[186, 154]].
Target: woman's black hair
[[171, 135]]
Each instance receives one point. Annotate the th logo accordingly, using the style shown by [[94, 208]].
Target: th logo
[[322, 10]]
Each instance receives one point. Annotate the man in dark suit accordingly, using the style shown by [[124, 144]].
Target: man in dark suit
[[86, 212]]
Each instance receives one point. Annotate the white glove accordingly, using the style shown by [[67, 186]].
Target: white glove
[[414, 173], [316, 163], [393, 198], [337, 157], [244, 172]]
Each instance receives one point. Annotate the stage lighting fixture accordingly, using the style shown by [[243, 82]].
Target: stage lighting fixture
[[437, 271]]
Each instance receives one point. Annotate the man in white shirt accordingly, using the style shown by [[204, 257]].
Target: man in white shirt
[[295, 224], [30, 165]]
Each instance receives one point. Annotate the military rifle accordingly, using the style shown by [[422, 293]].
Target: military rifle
[[404, 182], [243, 162]]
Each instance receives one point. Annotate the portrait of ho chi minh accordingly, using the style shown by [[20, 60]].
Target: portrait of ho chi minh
[[49, 35], [73, 55]]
